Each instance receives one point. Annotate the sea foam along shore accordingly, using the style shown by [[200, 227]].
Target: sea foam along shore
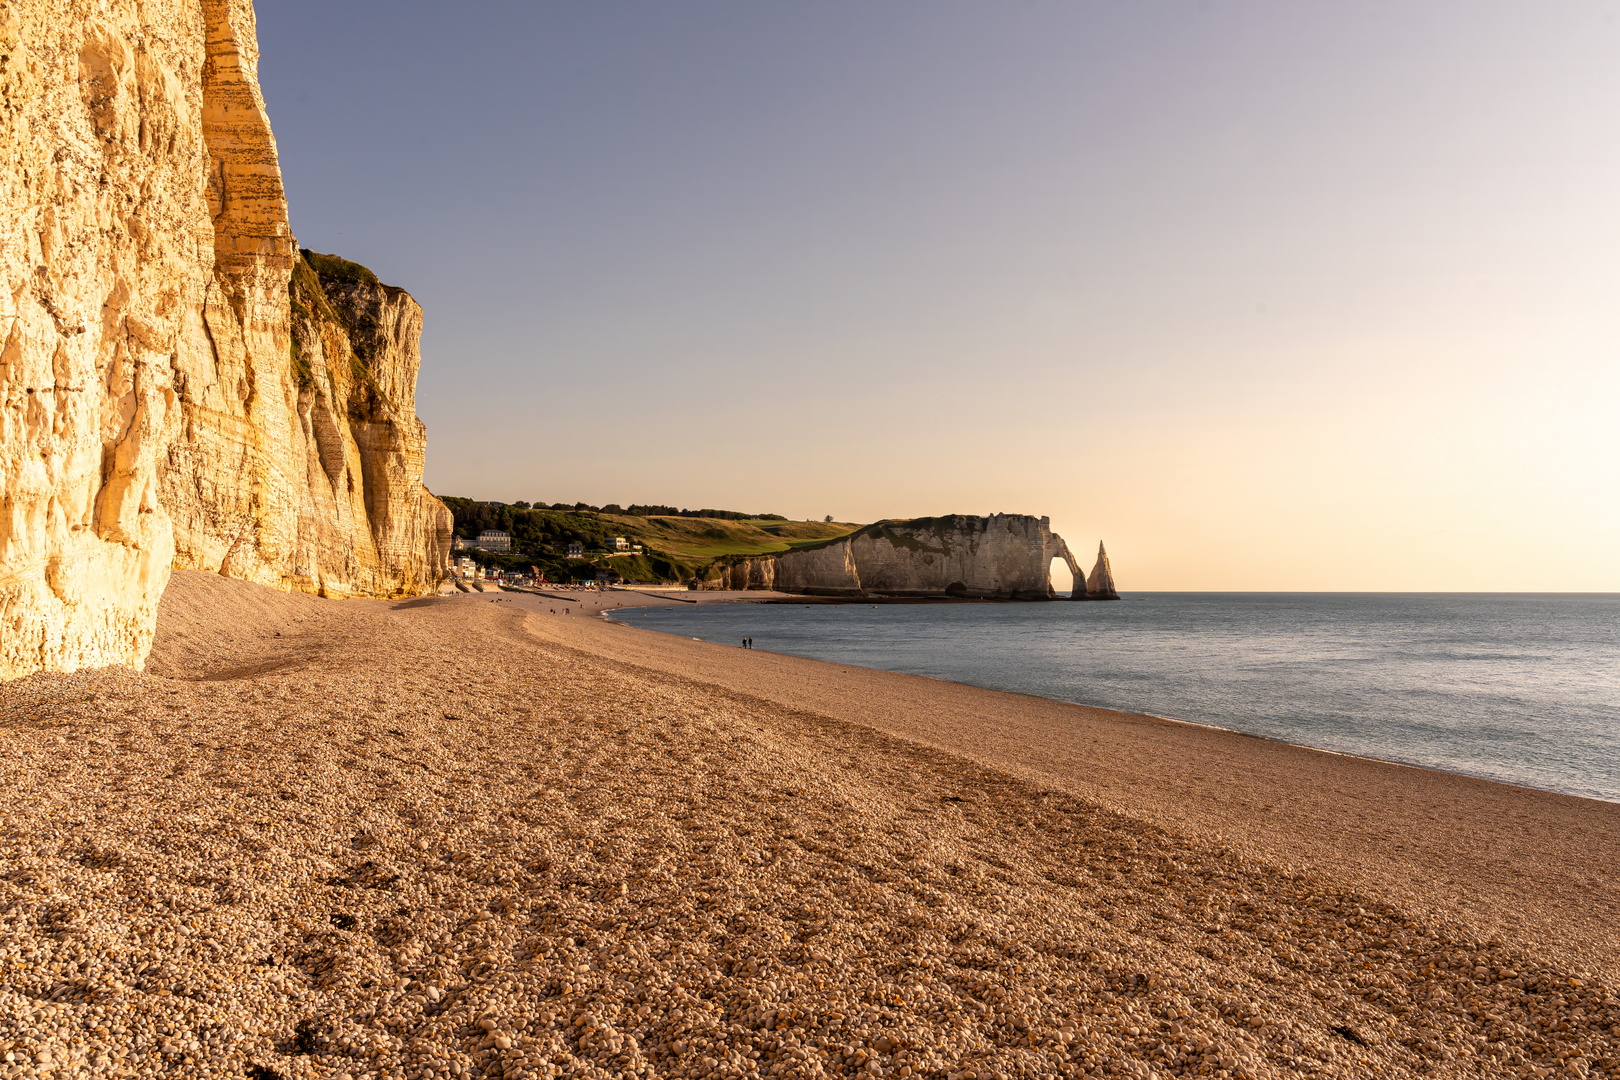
[[462, 836]]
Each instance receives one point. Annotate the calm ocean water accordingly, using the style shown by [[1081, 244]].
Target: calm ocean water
[[1520, 687]]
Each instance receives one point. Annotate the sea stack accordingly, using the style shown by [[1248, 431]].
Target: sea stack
[[1100, 585]]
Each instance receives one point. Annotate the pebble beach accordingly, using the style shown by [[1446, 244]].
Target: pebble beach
[[465, 837]]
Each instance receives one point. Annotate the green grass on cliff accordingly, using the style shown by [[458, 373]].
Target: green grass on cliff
[[714, 538], [676, 547], [316, 280], [309, 308], [334, 269]]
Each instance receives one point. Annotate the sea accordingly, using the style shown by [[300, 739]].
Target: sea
[[1521, 688]]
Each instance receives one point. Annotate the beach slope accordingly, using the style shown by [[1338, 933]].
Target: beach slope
[[461, 836]]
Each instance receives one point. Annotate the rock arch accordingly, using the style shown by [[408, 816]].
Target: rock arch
[[1061, 551]]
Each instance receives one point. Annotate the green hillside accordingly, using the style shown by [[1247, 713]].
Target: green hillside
[[677, 546], [708, 539]]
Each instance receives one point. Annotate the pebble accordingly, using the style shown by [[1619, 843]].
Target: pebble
[[206, 877]]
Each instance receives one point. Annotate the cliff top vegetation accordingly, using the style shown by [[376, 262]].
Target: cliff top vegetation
[[335, 269], [677, 545], [319, 294]]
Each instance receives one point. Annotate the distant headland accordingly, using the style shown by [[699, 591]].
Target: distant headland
[[961, 556]]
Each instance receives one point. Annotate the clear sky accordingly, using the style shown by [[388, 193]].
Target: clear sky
[[1266, 295]]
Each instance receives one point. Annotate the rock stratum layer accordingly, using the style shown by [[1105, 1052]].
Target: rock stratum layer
[[1000, 557], [162, 399]]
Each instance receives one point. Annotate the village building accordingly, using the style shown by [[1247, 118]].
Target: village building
[[576, 550], [495, 540]]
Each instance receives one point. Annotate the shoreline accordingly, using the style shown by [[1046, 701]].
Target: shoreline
[[1364, 819], [606, 614]]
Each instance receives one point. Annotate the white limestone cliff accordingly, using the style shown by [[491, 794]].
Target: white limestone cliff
[[1002, 556], [1100, 585], [148, 397]]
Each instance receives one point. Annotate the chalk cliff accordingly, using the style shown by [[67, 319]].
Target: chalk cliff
[[152, 407], [320, 488], [1100, 585], [1003, 557]]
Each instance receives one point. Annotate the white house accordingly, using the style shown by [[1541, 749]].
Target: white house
[[495, 540]]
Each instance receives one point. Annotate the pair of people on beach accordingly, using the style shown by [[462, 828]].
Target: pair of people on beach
[[748, 643]]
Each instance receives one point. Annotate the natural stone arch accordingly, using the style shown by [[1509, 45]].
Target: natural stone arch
[[1078, 579], [1058, 549]]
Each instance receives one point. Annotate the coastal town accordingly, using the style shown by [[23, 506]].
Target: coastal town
[[465, 568]]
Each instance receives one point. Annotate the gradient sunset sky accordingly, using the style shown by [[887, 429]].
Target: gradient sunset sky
[[1296, 296]]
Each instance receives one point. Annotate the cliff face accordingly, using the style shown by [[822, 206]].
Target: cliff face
[[1100, 585], [319, 488], [1003, 557], [366, 523], [148, 392], [105, 256]]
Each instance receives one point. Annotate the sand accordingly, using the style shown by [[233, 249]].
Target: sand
[[463, 836]]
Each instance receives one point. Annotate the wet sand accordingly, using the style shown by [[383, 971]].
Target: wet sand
[[463, 836]]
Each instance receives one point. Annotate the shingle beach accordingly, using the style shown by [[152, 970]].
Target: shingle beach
[[462, 836]]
